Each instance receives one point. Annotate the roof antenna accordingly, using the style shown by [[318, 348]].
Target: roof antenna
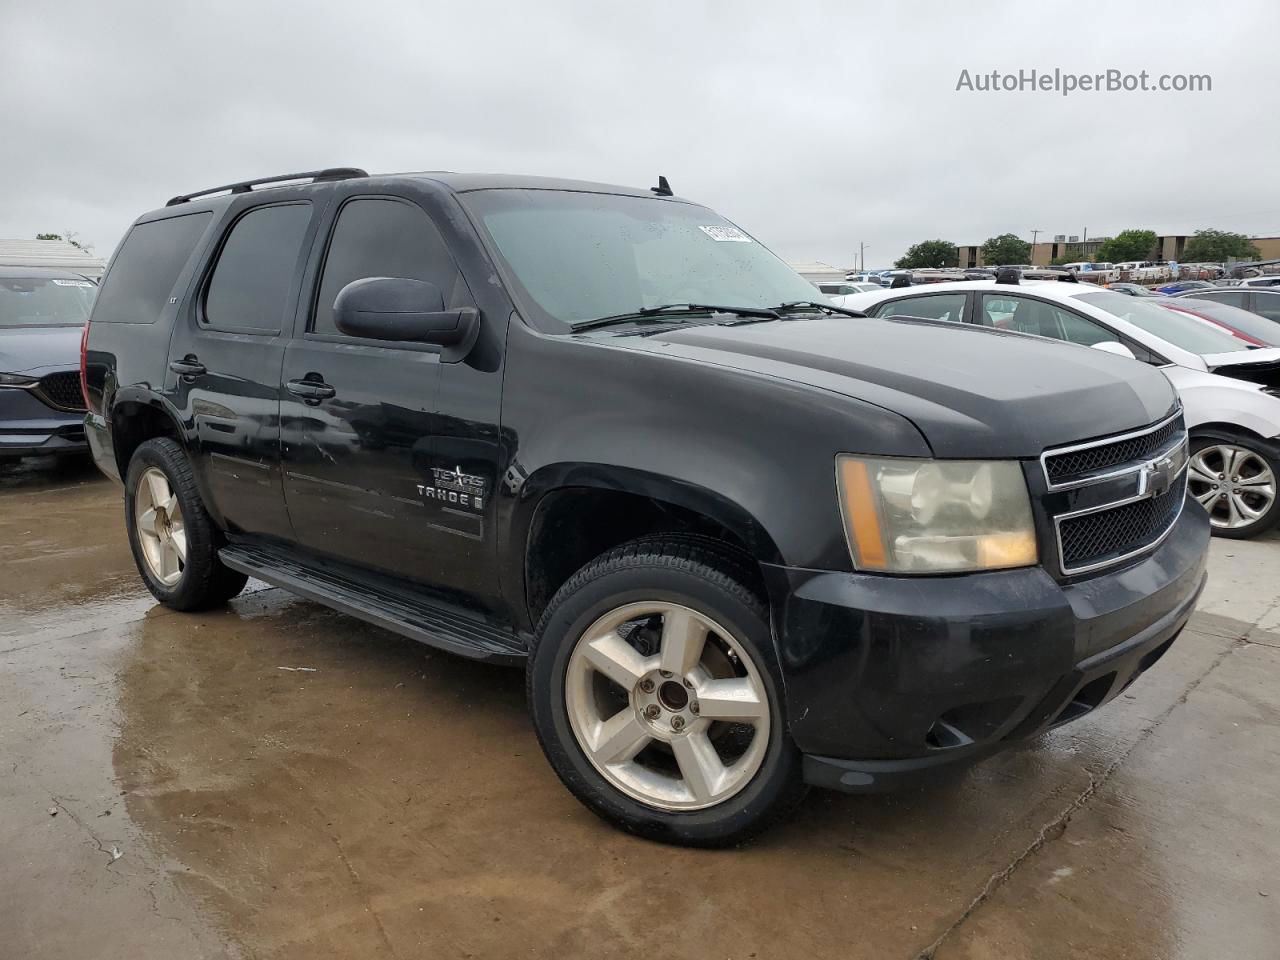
[[663, 189]]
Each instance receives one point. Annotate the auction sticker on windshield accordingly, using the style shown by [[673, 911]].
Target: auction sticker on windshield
[[725, 234]]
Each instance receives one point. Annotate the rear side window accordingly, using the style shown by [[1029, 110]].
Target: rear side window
[[140, 281], [380, 237], [250, 286]]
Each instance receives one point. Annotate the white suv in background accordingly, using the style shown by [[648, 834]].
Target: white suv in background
[[1230, 392]]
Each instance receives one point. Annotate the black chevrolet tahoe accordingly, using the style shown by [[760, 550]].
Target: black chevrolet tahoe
[[741, 541]]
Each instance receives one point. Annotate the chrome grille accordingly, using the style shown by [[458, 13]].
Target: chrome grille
[[1116, 497], [1084, 461], [62, 390], [1098, 538]]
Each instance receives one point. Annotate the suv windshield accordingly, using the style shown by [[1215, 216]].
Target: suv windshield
[[1191, 334], [37, 301], [580, 256]]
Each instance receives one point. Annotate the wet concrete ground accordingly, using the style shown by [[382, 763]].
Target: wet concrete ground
[[177, 786]]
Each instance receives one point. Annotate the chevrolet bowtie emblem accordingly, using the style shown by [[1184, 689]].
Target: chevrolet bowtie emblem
[[1157, 476]]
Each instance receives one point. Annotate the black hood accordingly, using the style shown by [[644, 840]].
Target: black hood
[[972, 391], [39, 350]]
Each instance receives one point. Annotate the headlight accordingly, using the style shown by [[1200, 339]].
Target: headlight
[[935, 516], [16, 380]]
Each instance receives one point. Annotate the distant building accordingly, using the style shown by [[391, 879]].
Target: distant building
[[1167, 248], [59, 254], [819, 272]]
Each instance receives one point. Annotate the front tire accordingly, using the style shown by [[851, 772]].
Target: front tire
[[174, 541], [1235, 479], [657, 699]]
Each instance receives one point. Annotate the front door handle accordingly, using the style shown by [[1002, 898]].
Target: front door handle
[[311, 391], [188, 366]]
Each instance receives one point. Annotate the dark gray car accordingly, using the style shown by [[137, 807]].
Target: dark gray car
[[1260, 300], [42, 315]]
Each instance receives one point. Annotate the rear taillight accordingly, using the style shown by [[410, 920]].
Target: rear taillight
[[84, 365]]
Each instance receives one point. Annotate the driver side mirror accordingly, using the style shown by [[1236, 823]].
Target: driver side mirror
[[1114, 346], [399, 309]]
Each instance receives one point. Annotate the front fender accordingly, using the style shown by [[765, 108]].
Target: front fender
[[1210, 398], [754, 453]]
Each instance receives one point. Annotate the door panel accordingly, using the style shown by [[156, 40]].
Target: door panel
[[225, 359], [371, 474], [353, 460]]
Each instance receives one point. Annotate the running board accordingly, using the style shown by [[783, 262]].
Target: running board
[[434, 623]]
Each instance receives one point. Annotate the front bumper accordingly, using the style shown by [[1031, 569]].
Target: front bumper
[[29, 427], [891, 679]]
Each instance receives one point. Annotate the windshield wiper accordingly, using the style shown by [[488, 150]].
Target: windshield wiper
[[814, 305], [646, 313]]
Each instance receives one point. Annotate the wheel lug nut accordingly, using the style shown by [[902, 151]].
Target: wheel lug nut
[[666, 674], [651, 712], [688, 684], [694, 708], [677, 723], [646, 686]]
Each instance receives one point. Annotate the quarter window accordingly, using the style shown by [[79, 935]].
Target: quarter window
[[250, 284], [138, 285], [938, 306], [381, 237]]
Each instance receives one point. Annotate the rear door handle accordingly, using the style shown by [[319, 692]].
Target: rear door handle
[[311, 391], [187, 367]]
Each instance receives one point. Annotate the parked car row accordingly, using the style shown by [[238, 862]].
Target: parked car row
[[1222, 359]]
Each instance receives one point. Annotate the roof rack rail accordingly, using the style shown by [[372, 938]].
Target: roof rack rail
[[245, 186]]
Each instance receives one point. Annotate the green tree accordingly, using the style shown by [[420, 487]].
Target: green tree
[[70, 237], [1006, 248], [1128, 245], [929, 253], [1216, 246], [1072, 257]]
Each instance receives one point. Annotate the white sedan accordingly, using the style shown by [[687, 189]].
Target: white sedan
[[1230, 392]]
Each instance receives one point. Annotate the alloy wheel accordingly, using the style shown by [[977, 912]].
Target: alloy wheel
[[162, 534], [1235, 484], [667, 706]]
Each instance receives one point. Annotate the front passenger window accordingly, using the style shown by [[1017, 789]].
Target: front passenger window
[[937, 306], [1076, 329], [383, 237]]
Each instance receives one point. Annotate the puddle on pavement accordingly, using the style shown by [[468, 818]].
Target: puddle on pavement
[[389, 796]]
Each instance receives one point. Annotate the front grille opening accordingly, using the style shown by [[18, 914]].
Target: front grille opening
[[1079, 464], [970, 723], [1097, 538], [1086, 699], [62, 390]]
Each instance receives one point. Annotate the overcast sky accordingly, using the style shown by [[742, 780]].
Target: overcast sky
[[815, 126]]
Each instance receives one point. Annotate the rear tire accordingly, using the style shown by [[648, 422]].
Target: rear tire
[[707, 760], [1234, 477], [175, 543]]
